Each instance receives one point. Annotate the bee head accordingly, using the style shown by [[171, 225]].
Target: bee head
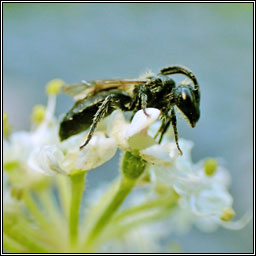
[[187, 99]]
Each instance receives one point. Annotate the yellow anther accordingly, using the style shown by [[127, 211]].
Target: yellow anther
[[210, 166], [53, 87], [227, 214], [38, 114]]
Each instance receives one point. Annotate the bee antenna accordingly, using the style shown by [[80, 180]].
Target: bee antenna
[[181, 70]]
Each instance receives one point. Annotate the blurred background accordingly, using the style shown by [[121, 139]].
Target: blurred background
[[89, 41]]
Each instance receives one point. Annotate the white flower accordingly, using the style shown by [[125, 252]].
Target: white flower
[[138, 136], [46, 159], [67, 157], [211, 201], [132, 136], [203, 196], [99, 150], [161, 155], [10, 203], [20, 144], [19, 147]]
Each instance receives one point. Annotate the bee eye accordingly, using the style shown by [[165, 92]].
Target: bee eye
[[186, 94]]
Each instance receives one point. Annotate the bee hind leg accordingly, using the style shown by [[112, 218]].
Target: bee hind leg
[[100, 114], [113, 101]]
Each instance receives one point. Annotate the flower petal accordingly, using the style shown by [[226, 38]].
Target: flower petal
[[160, 154], [211, 201], [141, 122], [117, 127], [99, 150], [47, 159]]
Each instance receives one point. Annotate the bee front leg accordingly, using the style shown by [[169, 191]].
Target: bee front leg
[[174, 126], [163, 128], [166, 120]]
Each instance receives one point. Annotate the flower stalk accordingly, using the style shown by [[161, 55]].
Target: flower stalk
[[21, 236], [77, 188], [132, 167]]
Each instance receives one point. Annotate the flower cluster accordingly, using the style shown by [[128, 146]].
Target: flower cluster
[[173, 192]]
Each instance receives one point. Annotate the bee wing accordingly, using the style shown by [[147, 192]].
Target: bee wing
[[87, 88], [74, 90]]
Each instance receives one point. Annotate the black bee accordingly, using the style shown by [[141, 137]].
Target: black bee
[[99, 98]]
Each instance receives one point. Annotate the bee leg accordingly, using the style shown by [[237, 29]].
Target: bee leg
[[143, 98], [164, 126], [174, 122], [164, 129], [140, 102], [103, 109], [161, 127], [132, 115]]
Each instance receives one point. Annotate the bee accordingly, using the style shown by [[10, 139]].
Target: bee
[[97, 99]]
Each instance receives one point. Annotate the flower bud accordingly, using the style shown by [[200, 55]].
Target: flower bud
[[210, 166], [132, 165], [53, 87], [38, 114], [227, 214]]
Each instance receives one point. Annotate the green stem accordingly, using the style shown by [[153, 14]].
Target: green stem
[[124, 189], [37, 214], [49, 205], [64, 194], [12, 246], [132, 167], [94, 211], [119, 230], [133, 217], [24, 238], [158, 203], [77, 188]]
